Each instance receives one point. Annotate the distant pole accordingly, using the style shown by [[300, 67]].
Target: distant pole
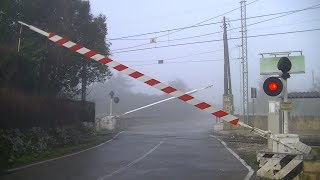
[[111, 99], [226, 57], [227, 96], [253, 96], [245, 98], [253, 111]]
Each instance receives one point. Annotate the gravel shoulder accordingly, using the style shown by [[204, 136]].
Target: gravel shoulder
[[245, 144]]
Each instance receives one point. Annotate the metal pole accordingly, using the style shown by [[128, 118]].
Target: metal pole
[[253, 111], [245, 84], [111, 99], [280, 121], [227, 96], [285, 112], [226, 58]]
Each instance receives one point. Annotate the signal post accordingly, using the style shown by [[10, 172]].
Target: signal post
[[280, 68], [279, 65]]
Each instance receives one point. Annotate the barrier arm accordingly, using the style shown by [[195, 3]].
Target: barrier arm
[[161, 101], [158, 85]]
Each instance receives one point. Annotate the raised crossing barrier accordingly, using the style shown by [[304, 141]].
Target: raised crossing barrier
[[299, 147], [137, 75]]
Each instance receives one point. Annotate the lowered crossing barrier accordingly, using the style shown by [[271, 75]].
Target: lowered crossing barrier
[[300, 147]]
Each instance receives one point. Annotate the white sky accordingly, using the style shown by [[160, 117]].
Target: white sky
[[142, 16]]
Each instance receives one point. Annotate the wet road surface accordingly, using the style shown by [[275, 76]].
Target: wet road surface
[[172, 149]]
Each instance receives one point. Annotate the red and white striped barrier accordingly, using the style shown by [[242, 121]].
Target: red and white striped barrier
[[137, 75]]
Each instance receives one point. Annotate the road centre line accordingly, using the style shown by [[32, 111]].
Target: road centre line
[[132, 163]]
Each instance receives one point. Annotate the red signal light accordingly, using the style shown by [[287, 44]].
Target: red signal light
[[272, 86]]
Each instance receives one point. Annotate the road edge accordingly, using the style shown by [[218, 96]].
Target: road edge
[[64, 156], [251, 171]]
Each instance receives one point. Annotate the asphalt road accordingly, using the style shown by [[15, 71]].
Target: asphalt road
[[180, 149]]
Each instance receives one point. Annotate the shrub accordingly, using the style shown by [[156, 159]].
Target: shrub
[[15, 143]]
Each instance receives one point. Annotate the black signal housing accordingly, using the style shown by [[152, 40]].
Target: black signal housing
[[272, 86]]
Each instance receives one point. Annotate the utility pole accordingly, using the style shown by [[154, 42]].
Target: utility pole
[[245, 98], [227, 96]]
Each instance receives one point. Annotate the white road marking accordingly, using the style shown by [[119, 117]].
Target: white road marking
[[132, 163], [250, 173], [61, 157]]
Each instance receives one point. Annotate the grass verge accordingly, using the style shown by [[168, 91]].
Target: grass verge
[[250, 158], [316, 151], [57, 152]]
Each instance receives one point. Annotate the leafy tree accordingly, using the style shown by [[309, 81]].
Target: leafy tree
[[41, 66]]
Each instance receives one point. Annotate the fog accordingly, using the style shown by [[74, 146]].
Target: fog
[[143, 16], [129, 100]]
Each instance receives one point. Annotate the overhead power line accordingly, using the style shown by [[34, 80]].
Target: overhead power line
[[207, 24], [281, 33], [207, 34], [180, 57], [181, 28], [286, 24], [183, 62], [207, 19], [215, 40], [311, 7]]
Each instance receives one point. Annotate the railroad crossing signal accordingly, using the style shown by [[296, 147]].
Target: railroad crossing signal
[[273, 86]]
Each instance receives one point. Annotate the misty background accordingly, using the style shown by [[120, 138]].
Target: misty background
[[129, 100], [143, 16]]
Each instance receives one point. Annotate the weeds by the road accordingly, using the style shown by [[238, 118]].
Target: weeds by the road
[[245, 144], [60, 151], [23, 147], [250, 158]]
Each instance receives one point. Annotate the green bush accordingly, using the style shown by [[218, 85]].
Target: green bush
[[15, 143]]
